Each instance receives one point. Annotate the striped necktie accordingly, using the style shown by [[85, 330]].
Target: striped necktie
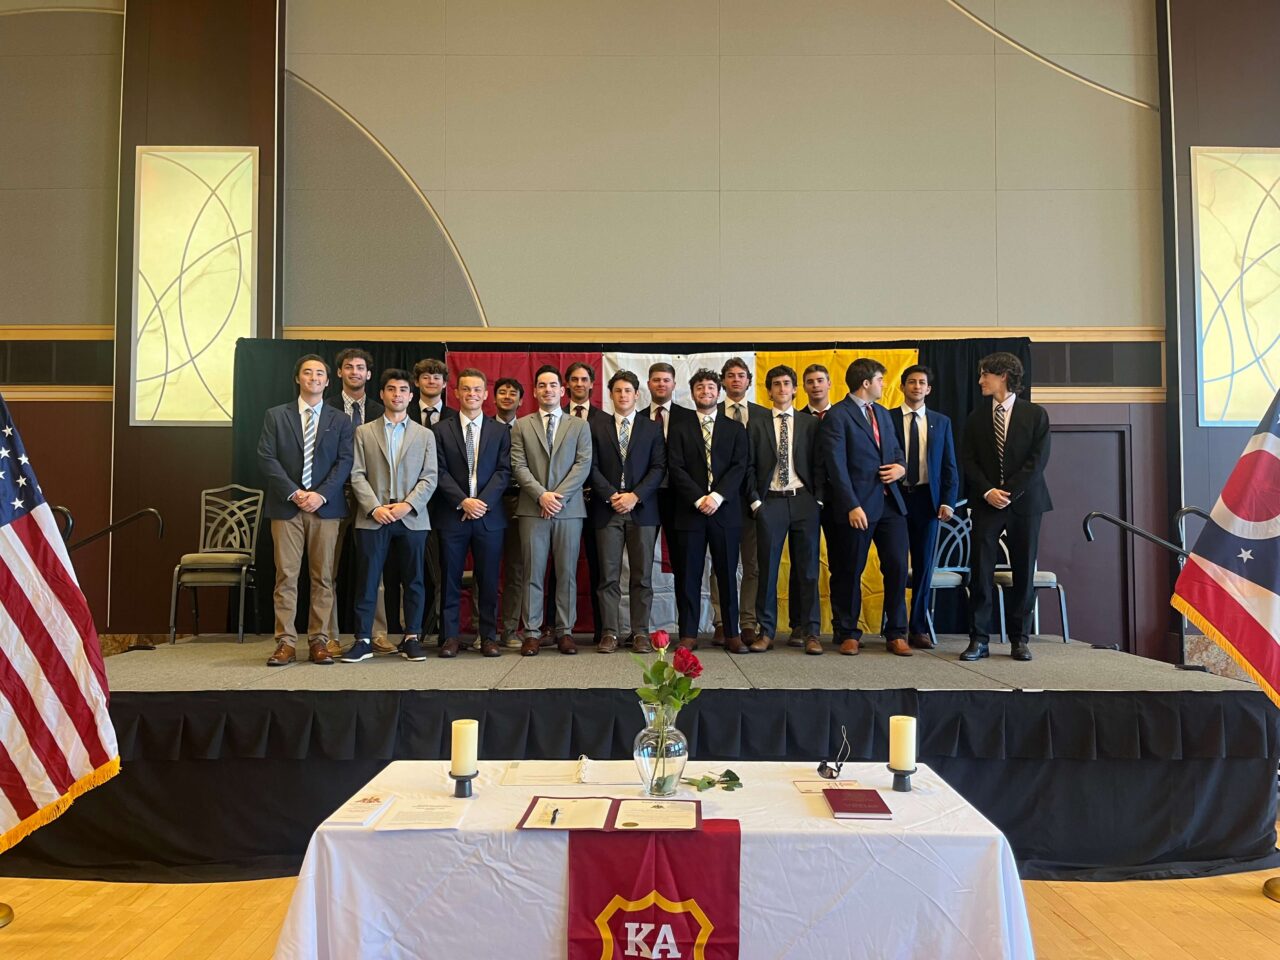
[[624, 441], [706, 444], [471, 458], [1000, 432], [308, 447]]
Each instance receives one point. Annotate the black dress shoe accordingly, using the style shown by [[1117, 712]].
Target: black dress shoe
[[1020, 651], [977, 650]]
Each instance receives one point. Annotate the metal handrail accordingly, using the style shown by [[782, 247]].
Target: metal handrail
[[1136, 531], [112, 528], [69, 525]]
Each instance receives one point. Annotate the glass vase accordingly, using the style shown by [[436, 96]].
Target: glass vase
[[661, 750]]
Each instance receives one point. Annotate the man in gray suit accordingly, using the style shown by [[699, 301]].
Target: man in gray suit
[[393, 477], [550, 460]]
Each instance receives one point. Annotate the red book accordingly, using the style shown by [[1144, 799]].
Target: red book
[[857, 805]]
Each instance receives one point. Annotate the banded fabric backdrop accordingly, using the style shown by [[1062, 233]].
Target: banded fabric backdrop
[[264, 378]]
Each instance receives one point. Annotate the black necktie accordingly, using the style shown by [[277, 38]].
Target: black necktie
[[913, 451]]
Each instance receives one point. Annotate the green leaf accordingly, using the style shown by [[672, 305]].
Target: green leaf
[[647, 695], [733, 785], [694, 694], [730, 777]]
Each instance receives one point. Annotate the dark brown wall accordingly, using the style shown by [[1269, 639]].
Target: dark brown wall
[[196, 72], [1108, 457], [76, 476]]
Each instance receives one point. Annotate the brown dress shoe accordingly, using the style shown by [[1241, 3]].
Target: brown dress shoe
[[449, 649], [320, 654], [849, 647], [608, 644], [813, 646], [283, 656], [717, 638], [489, 648], [748, 635], [383, 645], [761, 643], [920, 641], [898, 647], [545, 639], [530, 647], [797, 639], [335, 648], [641, 643], [735, 645], [689, 643], [566, 645]]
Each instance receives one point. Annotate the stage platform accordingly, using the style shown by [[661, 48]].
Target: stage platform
[[1094, 763]]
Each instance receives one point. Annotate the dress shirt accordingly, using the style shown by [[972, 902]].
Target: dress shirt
[[618, 421], [586, 410], [302, 417], [816, 412], [729, 406], [394, 432], [924, 440], [795, 483], [506, 423], [437, 408], [555, 416], [666, 416], [349, 401], [1007, 403], [475, 460], [701, 417]]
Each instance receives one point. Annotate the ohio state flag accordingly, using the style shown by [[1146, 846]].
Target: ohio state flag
[[1230, 586], [655, 894]]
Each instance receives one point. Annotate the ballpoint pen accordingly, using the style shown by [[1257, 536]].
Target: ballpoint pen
[[554, 813]]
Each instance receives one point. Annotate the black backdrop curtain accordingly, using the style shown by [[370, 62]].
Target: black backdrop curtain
[[264, 378]]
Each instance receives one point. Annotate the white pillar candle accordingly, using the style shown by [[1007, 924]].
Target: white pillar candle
[[902, 743], [466, 744]]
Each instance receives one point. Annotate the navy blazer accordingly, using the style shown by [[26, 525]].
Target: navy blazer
[[687, 470], [493, 472], [853, 461], [645, 467], [940, 456], [280, 458]]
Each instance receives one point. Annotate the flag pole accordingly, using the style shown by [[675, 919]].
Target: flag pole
[[6, 914]]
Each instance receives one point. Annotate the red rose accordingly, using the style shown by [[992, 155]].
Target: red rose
[[660, 639], [687, 662]]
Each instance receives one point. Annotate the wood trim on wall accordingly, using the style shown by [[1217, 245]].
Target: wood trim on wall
[[1098, 394], [719, 334], [60, 331], [47, 393]]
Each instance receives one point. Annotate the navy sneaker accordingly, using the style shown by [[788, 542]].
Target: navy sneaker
[[411, 648], [360, 650]]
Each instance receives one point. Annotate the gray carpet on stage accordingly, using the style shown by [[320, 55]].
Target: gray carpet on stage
[[220, 663]]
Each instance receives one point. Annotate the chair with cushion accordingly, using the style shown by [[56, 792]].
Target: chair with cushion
[[950, 560], [1041, 580], [230, 517]]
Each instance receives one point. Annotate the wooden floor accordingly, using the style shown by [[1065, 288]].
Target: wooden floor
[[1222, 917]]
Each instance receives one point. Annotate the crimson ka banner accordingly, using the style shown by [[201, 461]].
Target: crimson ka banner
[[655, 895]]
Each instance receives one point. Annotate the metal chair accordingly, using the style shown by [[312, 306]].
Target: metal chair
[[1040, 580], [950, 561], [230, 518]]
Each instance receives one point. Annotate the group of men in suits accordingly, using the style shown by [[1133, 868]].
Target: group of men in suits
[[425, 486]]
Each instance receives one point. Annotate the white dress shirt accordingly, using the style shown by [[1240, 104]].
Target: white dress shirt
[[794, 483], [349, 401], [746, 410], [437, 408], [907, 413], [666, 416], [302, 418], [1007, 404], [471, 475], [702, 416]]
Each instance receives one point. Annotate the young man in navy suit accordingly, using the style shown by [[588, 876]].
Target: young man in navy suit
[[707, 463], [305, 453], [474, 455], [628, 463], [929, 488], [864, 464]]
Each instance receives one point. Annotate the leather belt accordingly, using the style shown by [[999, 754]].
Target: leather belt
[[782, 493]]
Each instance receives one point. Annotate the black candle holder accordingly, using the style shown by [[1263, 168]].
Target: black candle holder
[[902, 780], [462, 785]]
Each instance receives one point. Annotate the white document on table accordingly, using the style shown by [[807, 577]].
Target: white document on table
[[567, 813], [359, 811], [564, 773], [656, 815], [817, 786], [423, 813]]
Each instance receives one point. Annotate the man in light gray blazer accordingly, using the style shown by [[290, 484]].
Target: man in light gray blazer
[[550, 460], [393, 477]]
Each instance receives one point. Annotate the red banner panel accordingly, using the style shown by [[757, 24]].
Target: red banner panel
[[522, 366]]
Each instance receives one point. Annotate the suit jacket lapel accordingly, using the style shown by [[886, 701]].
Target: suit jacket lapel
[[295, 424]]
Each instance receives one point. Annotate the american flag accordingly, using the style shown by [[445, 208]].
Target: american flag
[[1230, 586], [56, 739]]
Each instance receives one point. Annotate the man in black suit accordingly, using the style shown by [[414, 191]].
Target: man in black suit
[[817, 388], [355, 368], [706, 462], [474, 456], [736, 377], [785, 491], [664, 411], [508, 394], [628, 462], [428, 408], [929, 488], [864, 464], [580, 380], [1004, 452]]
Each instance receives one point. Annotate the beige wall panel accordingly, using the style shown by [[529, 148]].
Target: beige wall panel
[[1056, 133], [590, 259], [62, 129], [570, 27], [55, 256], [65, 34], [1078, 26], [864, 123], [880, 258], [383, 26], [399, 99], [1080, 258], [581, 123], [869, 26]]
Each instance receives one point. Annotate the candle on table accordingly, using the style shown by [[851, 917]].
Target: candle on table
[[466, 740], [902, 743]]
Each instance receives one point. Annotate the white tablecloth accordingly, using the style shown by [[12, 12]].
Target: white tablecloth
[[936, 881]]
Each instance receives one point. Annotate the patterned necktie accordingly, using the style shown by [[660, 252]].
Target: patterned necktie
[[706, 444], [308, 447], [913, 451], [624, 441], [739, 414], [784, 452], [578, 412], [471, 458], [551, 431], [871, 419], [1000, 430]]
